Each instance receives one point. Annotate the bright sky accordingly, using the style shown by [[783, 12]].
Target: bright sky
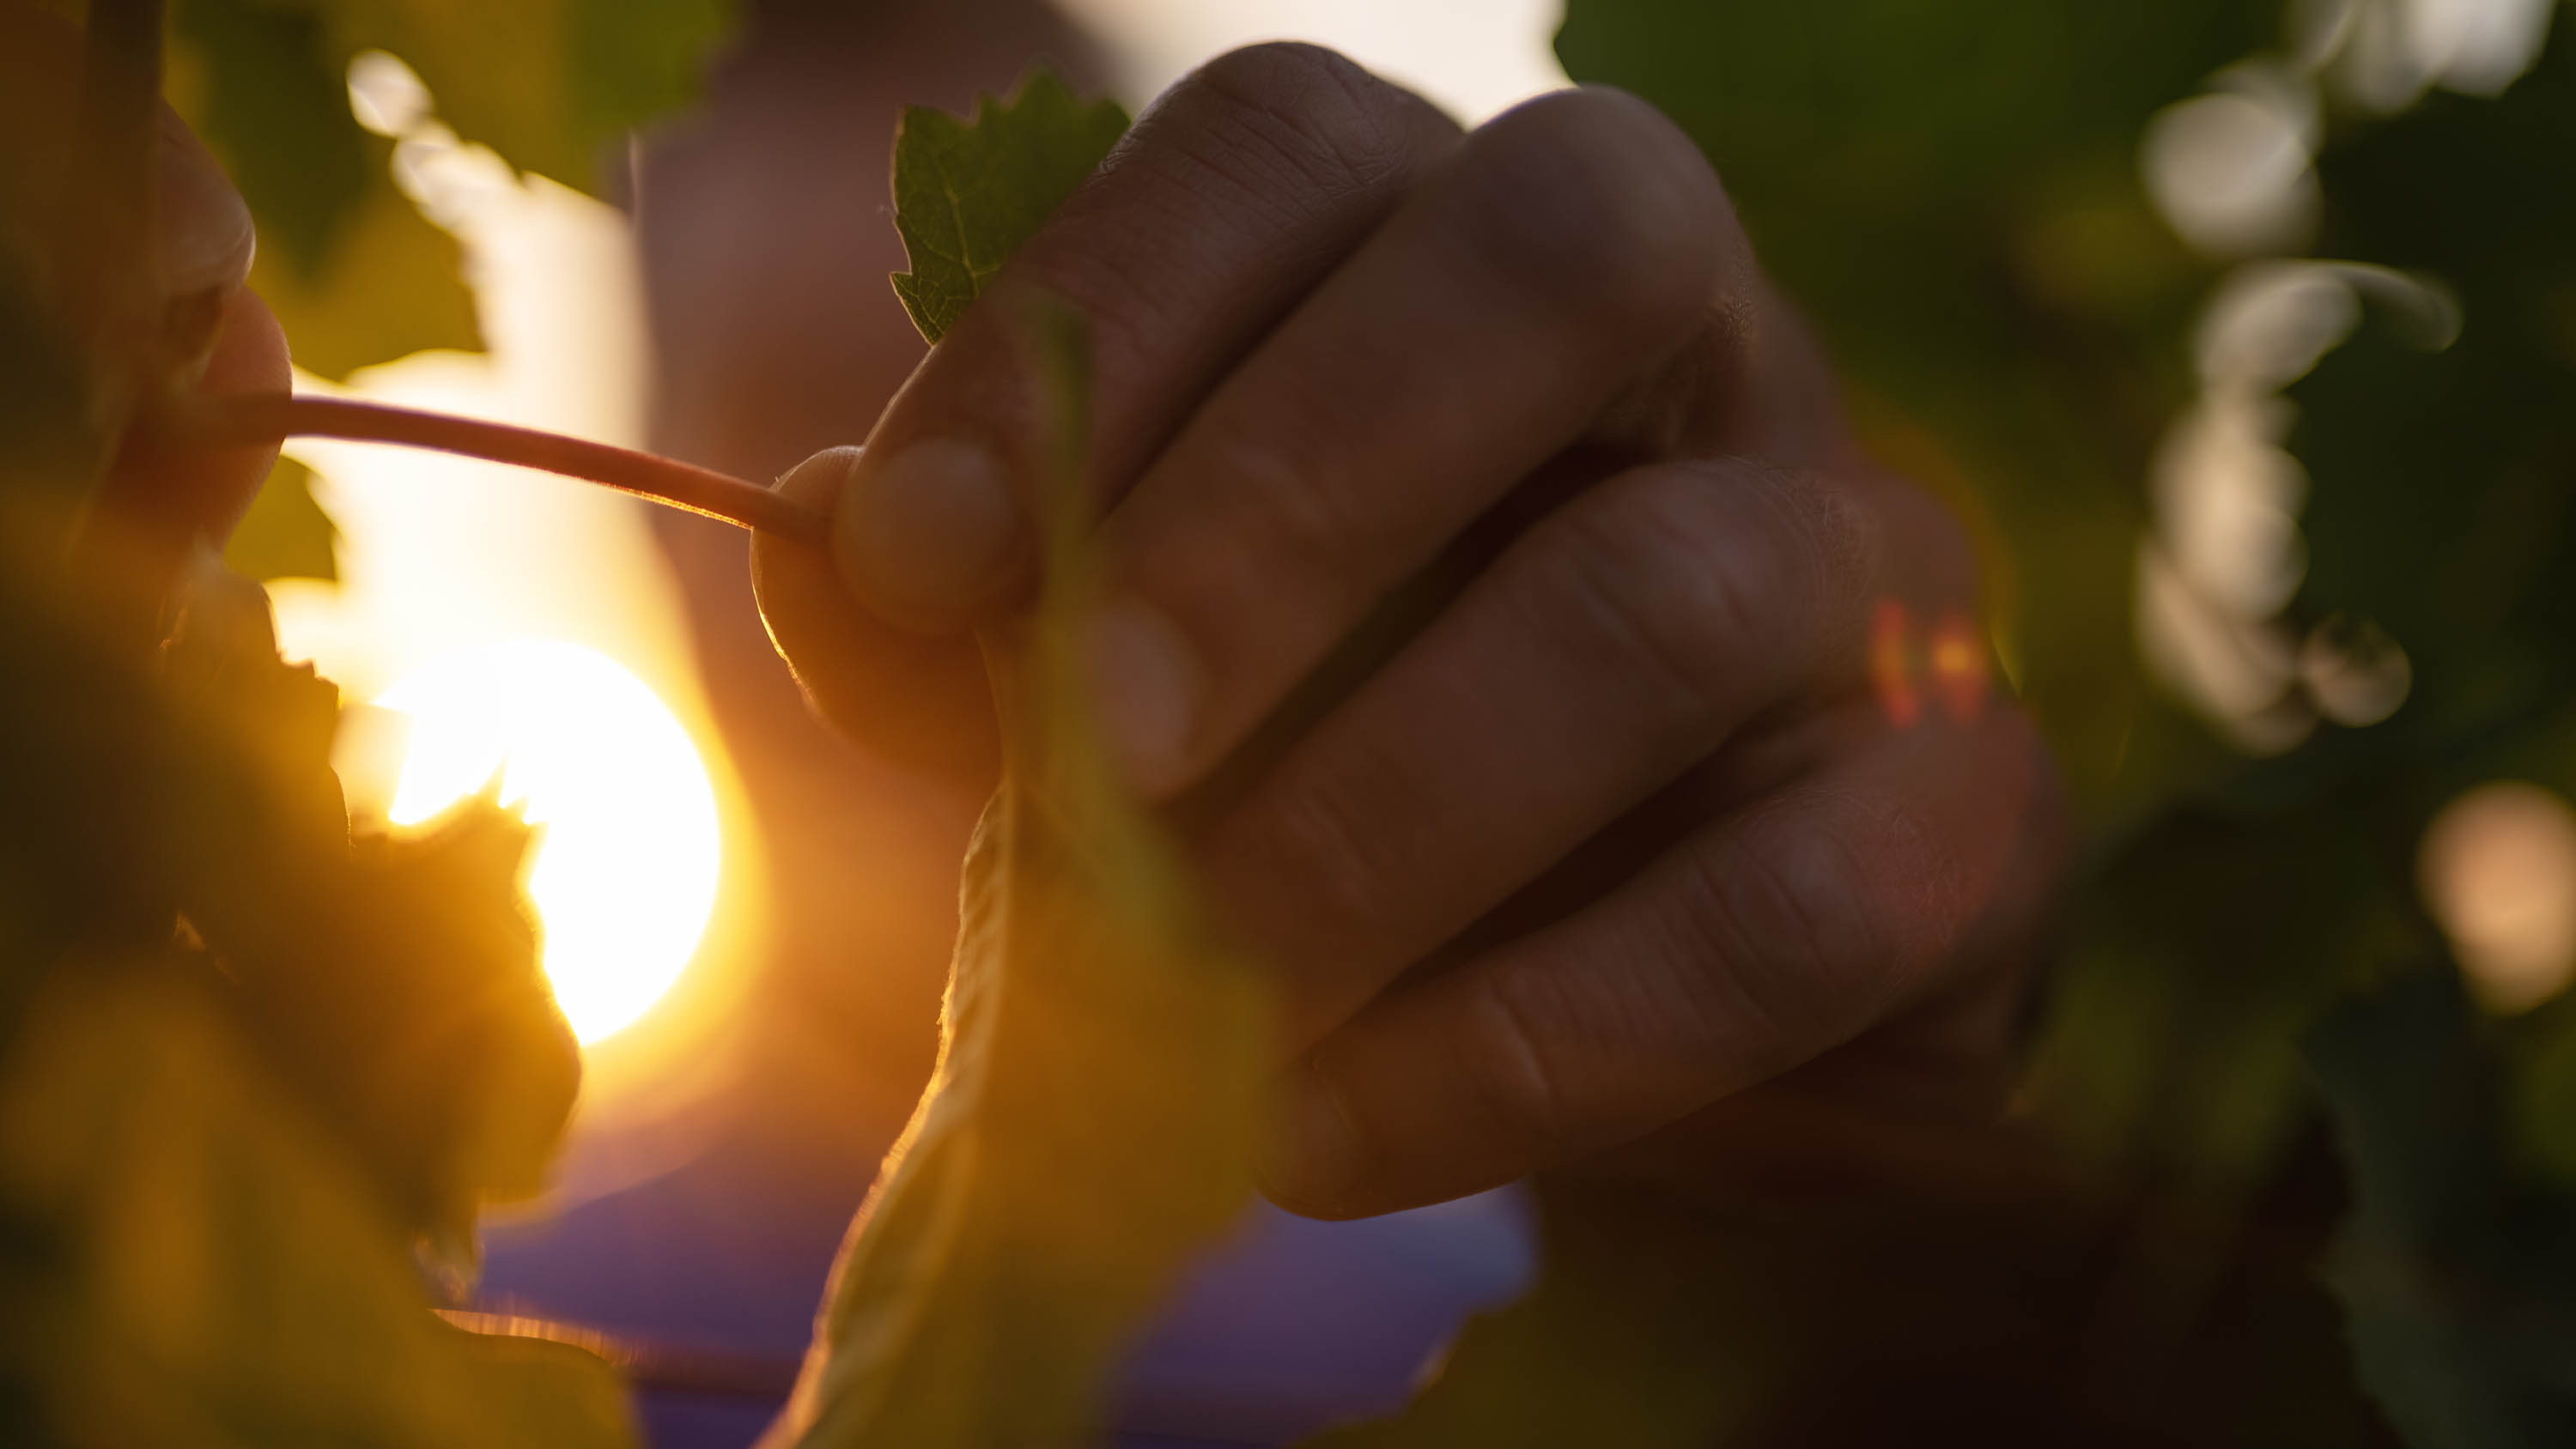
[[1473, 57]]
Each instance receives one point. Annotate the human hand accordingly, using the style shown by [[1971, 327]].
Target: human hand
[[1621, 826]]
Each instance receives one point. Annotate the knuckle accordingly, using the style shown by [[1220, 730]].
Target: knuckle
[[1285, 111], [1781, 917], [1503, 1052], [1836, 543], [1658, 577], [1277, 492], [1925, 894], [1320, 867], [1633, 220]]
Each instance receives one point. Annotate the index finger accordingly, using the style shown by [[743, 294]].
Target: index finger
[[1232, 197]]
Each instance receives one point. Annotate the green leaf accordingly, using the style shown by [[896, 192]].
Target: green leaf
[[355, 273], [550, 84], [389, 288], [276, 110], [968, 192], [207, 1267], [285, 534], [2458, 1282], [1647, 1327], [2443, 475], [395, 979], [1090, 1121]]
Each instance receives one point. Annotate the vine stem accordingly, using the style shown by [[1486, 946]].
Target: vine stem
[[252, 419]]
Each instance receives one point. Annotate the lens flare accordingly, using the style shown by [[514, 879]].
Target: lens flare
[[625, 870]]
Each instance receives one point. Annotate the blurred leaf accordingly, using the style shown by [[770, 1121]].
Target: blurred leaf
[[1633, 1335], [2458, 1281], [550, 84], [276, 111], [1910, 97], [1089, 1125], [390, 288], [1907, 1284], [968, 192], [194, 1264], [353, 270], [396, 979], [2443, 478], [285, 534], [634, 60]]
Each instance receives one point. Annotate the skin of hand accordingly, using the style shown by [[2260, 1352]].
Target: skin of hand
[[1614, 858]]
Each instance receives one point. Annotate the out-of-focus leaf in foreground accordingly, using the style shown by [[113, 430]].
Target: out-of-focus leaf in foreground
[[968, 192], [248, 1067], [193, 1261], [2458, 1280], [1090, 1120]]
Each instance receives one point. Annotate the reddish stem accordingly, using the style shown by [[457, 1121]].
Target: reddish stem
[[255, 418]]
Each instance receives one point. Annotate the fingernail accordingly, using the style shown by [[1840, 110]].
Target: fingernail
[[201, 230], [932, 534], [1311, 1157], [1149, 686]]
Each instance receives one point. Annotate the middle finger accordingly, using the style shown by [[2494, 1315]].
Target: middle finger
[[1609, 649], [1571, 246]]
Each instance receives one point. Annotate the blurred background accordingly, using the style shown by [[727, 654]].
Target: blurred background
[[2242, 333]]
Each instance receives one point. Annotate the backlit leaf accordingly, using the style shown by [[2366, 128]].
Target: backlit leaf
[[1090, 1121], [285, 534], [968, 192], [197, 1264]]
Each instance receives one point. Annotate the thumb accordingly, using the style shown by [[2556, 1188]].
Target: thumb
[[914, 691]]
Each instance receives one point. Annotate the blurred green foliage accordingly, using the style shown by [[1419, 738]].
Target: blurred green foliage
[[257, 1077]]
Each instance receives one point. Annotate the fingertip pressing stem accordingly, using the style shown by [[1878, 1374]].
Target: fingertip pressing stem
[[268, 417]]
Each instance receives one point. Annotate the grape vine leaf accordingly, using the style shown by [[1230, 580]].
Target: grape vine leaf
[[285, 535], [278, 109], [194, 1262], [355, 273], [2457, 1278], [353, 270], [968, 192], [1091, 1119]]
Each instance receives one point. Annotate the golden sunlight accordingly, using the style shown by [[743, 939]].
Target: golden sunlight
[[625, 867]]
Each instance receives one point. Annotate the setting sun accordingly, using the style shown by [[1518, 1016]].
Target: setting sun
[[625, 869]]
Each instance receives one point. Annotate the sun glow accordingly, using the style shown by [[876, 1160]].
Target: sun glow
[[625, 868]]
